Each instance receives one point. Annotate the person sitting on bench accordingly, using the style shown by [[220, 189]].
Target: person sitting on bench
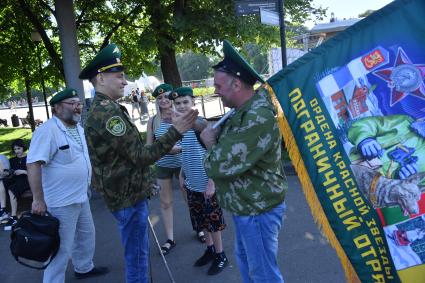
[[17, 182]]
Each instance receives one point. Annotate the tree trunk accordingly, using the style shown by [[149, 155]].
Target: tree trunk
[[29, 99], [165, 40], [169, 66], [68, 40]]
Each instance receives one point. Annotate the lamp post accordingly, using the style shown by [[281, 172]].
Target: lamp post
[[281, 10], [36, 38]]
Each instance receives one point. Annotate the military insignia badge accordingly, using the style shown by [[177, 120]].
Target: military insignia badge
[[116, 126], [104, 102]]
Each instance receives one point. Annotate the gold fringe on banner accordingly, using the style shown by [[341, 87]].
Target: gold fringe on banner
[[309, 192]]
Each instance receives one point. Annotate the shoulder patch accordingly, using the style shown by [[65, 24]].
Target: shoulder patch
[[116, 126]]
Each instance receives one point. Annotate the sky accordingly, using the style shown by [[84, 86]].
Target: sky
[[347, 8]]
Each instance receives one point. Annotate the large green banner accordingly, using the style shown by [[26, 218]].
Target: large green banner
[[353, 119]]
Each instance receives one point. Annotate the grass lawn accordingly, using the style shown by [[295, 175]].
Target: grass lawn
[[8, 135]]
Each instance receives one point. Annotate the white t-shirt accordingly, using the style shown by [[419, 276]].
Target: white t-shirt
[[66, 174], [4, 161]]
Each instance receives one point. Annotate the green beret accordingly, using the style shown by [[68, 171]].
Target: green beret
[[233, 63], [107, 60], [181, 91], [161, 89], [64, 94]]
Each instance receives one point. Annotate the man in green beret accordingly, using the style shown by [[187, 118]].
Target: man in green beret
[[244, 160], [120, 158], [59, 174]]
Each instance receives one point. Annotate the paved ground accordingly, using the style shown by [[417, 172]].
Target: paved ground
[[304, 255]]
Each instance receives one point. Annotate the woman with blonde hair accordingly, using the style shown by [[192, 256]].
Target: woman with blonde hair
[[169, 165]]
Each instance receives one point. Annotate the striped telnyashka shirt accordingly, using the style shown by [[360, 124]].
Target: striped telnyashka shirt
[[196, 178], [169, 160]]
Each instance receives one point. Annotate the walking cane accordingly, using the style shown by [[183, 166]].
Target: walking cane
[[160, 252]]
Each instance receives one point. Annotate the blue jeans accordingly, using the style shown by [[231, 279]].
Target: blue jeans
[[256, 245], [133, 226]]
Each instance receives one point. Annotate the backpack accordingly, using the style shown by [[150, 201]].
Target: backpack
[[35, 240]]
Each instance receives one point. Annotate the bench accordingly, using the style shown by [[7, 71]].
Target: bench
[[3, 122], [26, 121]]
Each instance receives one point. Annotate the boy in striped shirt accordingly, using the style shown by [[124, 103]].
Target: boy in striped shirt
[[205, 213]]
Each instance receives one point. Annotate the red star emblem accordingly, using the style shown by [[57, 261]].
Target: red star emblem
[[404, 78]]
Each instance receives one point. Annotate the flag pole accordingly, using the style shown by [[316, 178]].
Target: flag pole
[[281, 10]]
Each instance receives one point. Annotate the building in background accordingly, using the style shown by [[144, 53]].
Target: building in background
[[310, 40]]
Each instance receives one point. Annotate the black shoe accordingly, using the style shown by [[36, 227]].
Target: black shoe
[[168, 246], [96, 271], [12, 221], [205, 258], [219, 263]]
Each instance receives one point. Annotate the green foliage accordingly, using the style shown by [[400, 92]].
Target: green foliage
[[194, 66], [149, 32], [201, 91], [18, 54], [8, 135], [256, 57]]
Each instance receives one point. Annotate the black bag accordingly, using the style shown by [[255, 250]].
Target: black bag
[[35, 240]]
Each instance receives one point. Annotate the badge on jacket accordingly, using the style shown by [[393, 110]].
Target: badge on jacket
[[116, 126]]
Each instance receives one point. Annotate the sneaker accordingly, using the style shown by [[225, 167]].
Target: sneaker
[[96, 271], [219, 263], [12, 221], [3, 216], [205, 258]]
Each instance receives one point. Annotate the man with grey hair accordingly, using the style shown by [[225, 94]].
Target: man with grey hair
[[59, 173]]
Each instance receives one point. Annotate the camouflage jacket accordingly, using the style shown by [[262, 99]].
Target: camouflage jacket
[[119, 158], [245, 164]]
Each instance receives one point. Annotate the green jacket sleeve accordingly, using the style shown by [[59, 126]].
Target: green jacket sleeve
[[125, 140]]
